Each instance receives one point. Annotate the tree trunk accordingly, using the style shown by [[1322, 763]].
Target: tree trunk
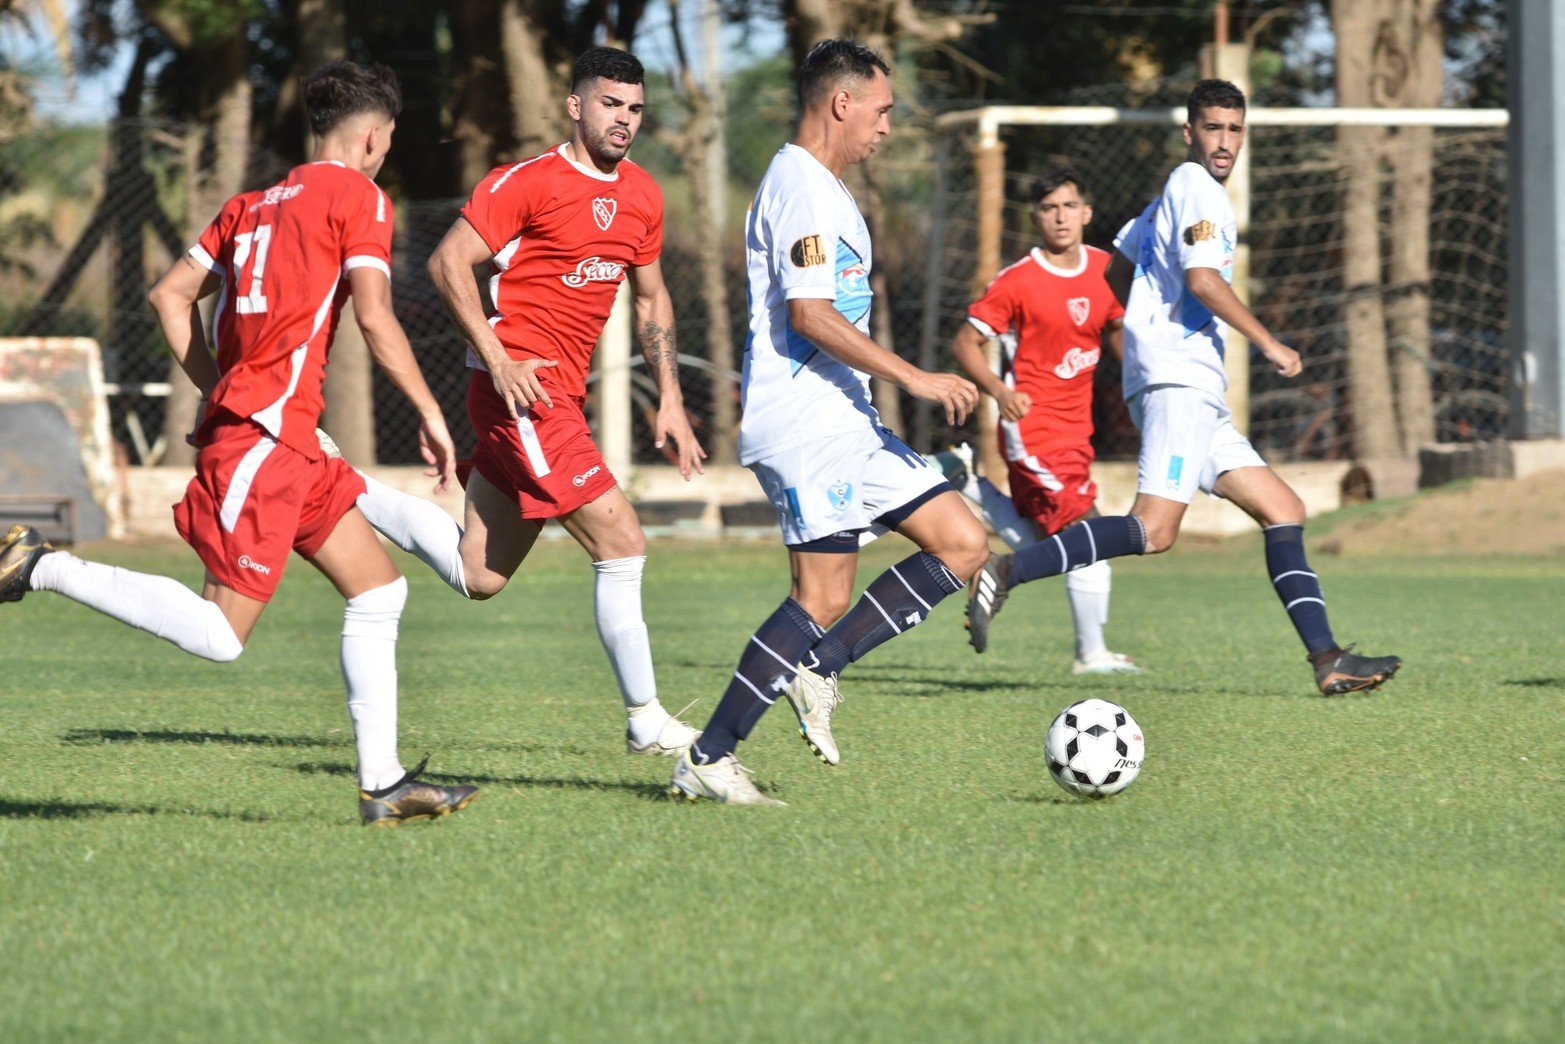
[[481, 120], [1413, 44], [536, 87], [225, 136], [1369, 376]]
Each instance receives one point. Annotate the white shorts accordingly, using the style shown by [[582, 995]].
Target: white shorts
[[844, 484], [1188, 440]]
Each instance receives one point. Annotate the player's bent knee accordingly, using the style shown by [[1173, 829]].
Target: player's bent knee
[[1160, 537]]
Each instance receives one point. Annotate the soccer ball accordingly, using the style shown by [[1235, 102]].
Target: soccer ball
[[1094, 748]]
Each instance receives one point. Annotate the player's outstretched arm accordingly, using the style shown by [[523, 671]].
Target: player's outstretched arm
[[823, 326], [173, 298], [655, 331], [389, 346], [451, 268], [968, 349], [1209, 287]]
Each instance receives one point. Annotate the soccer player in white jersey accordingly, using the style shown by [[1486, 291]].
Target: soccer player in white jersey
[[1172, 269], [814, 440]]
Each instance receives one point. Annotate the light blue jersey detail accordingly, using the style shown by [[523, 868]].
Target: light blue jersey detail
[[853, 292]]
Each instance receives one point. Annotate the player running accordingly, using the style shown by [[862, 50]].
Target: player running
[[287, 258], [815, 442], [1178, 306], [560, 231], [1059, 312]]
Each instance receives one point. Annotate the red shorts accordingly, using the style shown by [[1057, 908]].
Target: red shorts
[[1054, 489], [253, 499], [546, 460]]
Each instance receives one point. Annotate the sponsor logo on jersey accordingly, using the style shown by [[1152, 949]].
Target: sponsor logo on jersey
[[593, 270], [1176, 470], [1080, 308], [1077, 360], [1199, 232], [276, 194], [246, 562], [581, 480], [603, 211], [807, 252], [840, 495]]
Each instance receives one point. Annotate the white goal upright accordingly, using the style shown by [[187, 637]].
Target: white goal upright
[[1372, 240]]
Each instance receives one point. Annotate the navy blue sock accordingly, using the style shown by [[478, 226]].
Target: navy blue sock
[[1086, 542], [768, 664], [896, 600], [1298, 587]]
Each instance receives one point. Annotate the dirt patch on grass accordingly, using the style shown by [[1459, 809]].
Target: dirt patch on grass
[[1480, 517]]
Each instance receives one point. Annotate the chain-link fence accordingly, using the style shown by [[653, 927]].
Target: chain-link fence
[[1437, 319], [90, 216]]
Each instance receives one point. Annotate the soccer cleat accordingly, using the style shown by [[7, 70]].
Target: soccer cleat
[[674, 737], [955, 463], [1341, 671], [409, 798], [328, 444], [814, 699], [1105, 662], [986, 596], [19, 553], [724, 780]]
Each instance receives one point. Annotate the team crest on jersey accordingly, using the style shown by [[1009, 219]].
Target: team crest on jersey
[[840, 495], [1080, 308], [603, 211]]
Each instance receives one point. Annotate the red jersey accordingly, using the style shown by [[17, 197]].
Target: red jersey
[[562, 236], [284, 254], [1058, 318]]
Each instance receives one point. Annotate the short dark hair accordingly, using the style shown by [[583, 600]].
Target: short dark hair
[[341, 89], [1212, 94], [832, 61], [1051, 180], [606, 63]]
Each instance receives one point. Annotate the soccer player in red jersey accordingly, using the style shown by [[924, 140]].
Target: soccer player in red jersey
[[560, 231], [1054, 313], [286, 259]]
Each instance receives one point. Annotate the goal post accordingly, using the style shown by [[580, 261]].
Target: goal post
[[1290, 201]]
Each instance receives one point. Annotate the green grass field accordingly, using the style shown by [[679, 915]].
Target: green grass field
[[182, 858]]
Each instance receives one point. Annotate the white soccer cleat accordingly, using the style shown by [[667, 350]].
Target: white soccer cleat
[[723, 780], [673, 738], [1105, 662], [814, 698], [328, 444]]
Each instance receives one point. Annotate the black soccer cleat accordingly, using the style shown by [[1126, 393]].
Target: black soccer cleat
[[1341, 671], [408, 799], [19, 553], [986, 596]]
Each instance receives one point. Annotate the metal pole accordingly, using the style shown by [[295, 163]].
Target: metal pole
[[614, 403], [1536, 160], [1231, 62]]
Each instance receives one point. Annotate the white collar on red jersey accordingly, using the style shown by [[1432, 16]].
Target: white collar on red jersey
[[591, 172], [1043, 262]]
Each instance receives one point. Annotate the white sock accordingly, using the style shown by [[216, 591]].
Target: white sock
[[418, 526], [1088, 589], [156, 604], [369, 666], [616, 601], [1001, 512]]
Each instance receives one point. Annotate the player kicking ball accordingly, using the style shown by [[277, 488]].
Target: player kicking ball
[[560, 231], [1172, 268], [814, 441], [263, 486], [1053, 313]]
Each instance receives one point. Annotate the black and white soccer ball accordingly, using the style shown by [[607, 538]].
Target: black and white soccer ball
[[1094, 748]]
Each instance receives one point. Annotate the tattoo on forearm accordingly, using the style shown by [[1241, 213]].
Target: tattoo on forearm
[[660, 349]]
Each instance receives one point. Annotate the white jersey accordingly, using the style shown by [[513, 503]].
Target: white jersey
[[804, 238], [1170, 336]]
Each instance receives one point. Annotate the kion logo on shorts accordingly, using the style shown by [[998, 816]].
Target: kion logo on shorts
[[581, 480], [246, 562]]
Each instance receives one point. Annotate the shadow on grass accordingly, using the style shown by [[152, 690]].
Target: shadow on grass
[[645, 790], [99, 809], [1536, 683], [234, 739]]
